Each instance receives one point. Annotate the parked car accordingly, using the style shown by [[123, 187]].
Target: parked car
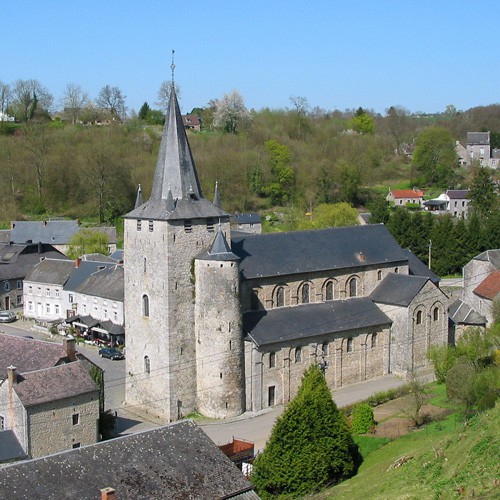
[[7, 317], [111, 353]]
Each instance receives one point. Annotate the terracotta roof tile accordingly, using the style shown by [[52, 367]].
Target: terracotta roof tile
[[407, 193], [489, 288]]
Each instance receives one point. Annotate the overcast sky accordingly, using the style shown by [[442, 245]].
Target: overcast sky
[[420, 54]]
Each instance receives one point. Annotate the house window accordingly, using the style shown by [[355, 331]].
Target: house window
[[324, 348], [271, 395], [305, 293], [57, 293], [379, 275], [2, 423], [30, 290], [419, 317], [151, 226], [396, 270], [19, 284], [353, 287], [19, 300], [56, 309], [47, 292], [280, 297], [105, 314], [145, 306], [145, 264], [147, 365], [115, 316], [39, 290], [272, 359], [71, 298], [298, 354], [30, 306], [188, 226], [329, 291], [210, 225], [139, 224], [374, 340], [84, 308], [76, 418], [6, 286], [76, 445], [349, 344], [435, 314], [47, 308]]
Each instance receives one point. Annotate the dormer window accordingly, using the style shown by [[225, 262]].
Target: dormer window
[[150, 225], [210, 225], [188, 226], [139, 223]]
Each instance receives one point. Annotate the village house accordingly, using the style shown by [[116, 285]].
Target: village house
[[245, 314], [453, 201], [478, 150], [48, 400], [402, 197], [191, 122]]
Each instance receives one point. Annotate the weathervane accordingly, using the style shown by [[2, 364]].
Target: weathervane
[[172, 66]]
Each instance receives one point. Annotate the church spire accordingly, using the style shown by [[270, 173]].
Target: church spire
[[138, 200]]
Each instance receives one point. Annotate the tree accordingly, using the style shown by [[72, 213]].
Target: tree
[[73, 101], [397, 123], [27, 96], [301, 106], [482, 193], [4, 97], [87, 241], [164, 95], [283, 176], [143, 112], [362, 122], [310, 445], [112, 100], [350, 184], [332, 215], [379, 210], [231, 113], [434, 157]]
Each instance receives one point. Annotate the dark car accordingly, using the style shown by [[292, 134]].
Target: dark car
[[111, 353], [7, 317]]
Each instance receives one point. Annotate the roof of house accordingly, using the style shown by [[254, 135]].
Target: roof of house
[[28, 354], [83, 272], [478, 138], [190, 120], [117, 255], [10, 447], [418, 268], [492, 256], [285, 324], [107, 283], [279, 254], [51, 271], [248, 218], [53, 384], [457, 194], [406, 193], [489, 288], [462, 313], [398, 289], [16, 261], [97, 257], [177, 461]]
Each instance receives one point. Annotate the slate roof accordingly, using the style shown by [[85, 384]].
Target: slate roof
[[418, 268], [53, 271], [97, 257], [478, 138], [462, 313], [219, 249], [117, 255], [28, 354], [247, 218], [285, 324], [16, 261], [492, 256], [84, 270], [279, 254], [457, 194], [107, 283], [489, 288], [175, 462], [10, 448], [53, 384], [398, 289]]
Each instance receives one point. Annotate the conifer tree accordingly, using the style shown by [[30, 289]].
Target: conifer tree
[[310, 446]]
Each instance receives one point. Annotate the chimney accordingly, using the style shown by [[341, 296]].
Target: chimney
[[70, 348], [77, 263], [12, 375], [108, 494]]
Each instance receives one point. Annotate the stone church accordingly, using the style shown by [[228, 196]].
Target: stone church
[[222, 322]]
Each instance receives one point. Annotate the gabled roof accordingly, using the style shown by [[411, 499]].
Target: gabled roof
[[481, 138], [279, 254], [84, 270], [190, 120], [492, 256], [247, 218], [458, 194], [107, 283], [54, 383], [53, 232], [418, 268], [285, 324], [462, 313], [406, 193], [398, 289], [489, 288], [176, 192], [51, 271], [178, 461], [28, 354]]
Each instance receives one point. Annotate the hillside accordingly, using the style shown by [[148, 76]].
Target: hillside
[[444, 460]]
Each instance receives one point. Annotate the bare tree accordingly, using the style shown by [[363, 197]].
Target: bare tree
[[73, 101], [4, 97], [164, 94], [397, 122], [231, 113], [28, 96], [301, 106], [112, 100]]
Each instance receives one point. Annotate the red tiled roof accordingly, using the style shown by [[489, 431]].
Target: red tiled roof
[[190, 120], [407, 193], [489, 288]]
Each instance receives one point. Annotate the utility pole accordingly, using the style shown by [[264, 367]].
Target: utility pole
[[430, 253]]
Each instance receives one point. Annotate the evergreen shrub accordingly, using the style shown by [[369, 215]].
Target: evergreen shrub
[[362, 419]]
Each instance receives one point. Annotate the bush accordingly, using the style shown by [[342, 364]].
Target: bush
[[362, 418]]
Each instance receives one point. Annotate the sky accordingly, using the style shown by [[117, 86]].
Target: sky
[[419, 54]]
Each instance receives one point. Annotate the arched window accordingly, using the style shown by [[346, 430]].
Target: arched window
[[272, 359], [329, 291], [298, 354], [324, 348], [419, 317], [435, 314], [349, 344], [374, 340], [145, 306], [147, 365], [280, 297], [353, 287], [305, 293], [379, 275]]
